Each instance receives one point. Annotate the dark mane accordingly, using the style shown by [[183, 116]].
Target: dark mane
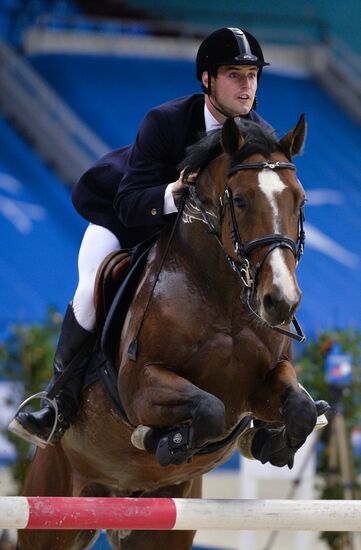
[[258, 140], [200, 154]]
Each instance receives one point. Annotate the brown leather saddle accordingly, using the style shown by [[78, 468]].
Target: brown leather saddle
[[115, 285]]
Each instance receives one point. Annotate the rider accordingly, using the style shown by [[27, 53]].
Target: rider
[[132, 192]]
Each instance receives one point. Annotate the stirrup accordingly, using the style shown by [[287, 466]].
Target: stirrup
[[321, 421], [17, 429]]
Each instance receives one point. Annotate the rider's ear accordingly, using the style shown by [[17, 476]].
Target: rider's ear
[[232, 140], [292, 143]]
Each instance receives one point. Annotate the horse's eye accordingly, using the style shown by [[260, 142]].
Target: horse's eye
[[239, 202]]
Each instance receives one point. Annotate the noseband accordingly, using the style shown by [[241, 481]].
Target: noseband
[[242, 266]]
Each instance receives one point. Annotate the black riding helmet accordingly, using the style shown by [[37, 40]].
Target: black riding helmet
[[228, 46]]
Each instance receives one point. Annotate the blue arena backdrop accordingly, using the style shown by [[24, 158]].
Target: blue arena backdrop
[[42, 232]]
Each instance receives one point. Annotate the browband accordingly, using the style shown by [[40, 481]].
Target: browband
[[272, 165]]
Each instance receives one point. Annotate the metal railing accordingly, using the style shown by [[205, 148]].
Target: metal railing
[[338, 69], [57, 134], [70, 147], [331, 62]]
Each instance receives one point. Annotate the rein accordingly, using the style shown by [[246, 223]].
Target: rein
[[133, 346], [242, 266]]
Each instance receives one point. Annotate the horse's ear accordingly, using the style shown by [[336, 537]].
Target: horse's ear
[[292, 143], [232, 140]]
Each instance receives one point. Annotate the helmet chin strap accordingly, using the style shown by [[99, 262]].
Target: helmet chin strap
[[224, 113], [207, 90]]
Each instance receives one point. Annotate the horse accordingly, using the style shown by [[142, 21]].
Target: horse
[[204, 349]]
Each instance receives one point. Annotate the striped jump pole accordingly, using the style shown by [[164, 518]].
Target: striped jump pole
[[179, 514]]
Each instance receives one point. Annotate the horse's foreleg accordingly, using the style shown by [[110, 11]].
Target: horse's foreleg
[[50, 474], [279, 399], [166, 402]]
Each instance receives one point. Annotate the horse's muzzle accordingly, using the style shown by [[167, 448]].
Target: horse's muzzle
[[277, 308]]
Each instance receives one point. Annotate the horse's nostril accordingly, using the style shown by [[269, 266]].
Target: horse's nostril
[[278, 308], [269, 303]]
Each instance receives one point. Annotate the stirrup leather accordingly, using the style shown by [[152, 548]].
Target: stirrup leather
[[17, 429]]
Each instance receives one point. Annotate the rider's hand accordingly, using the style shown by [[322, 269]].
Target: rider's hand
[[180, 187]]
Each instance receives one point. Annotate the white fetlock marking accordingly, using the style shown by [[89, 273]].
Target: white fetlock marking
[[138, 436], [320, 423]]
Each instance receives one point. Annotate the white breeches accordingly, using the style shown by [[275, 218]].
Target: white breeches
[[97, 243]]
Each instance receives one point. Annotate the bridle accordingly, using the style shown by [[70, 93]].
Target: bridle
[[242, 266]]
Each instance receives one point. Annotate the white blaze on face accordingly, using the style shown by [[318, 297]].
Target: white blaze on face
[[271, 185]]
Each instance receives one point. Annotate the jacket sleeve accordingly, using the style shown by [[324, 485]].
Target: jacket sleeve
[[140, 197]]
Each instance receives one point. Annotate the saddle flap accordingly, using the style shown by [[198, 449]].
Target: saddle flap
[[109, 277]]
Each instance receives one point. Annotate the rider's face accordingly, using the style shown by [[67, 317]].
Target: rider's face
[[234, 88]]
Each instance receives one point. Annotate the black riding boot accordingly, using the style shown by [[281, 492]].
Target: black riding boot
[[75, 347]]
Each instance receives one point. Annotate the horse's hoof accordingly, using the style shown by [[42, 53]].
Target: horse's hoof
[[271, 445], [138, 437]]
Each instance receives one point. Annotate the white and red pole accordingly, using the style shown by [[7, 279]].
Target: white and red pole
[[178, 514]]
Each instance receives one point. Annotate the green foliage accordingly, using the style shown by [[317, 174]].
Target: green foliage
[[26, 357], [311, 371], [347, 401]]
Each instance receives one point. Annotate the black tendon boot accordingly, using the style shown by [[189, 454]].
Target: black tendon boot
[[74, 349]]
